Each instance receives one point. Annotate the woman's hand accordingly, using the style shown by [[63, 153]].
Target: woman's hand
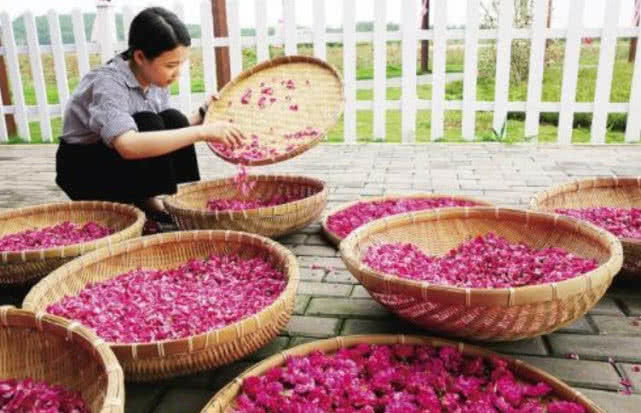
[[222, 133]]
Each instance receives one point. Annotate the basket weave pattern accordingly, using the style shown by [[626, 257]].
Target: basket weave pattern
[[25, 266], [617, 192], [318, 95], [188, 206], [47, 348], [223, 401], [493, 314], [336, 239], [168, 358]]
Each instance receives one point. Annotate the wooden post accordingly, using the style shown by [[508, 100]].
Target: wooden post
[[548, 24], [632, 54], [425, 44], [549, 17], [6, 95], [223, 68]]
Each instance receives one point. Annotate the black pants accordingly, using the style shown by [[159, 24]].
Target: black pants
[[97, 172]]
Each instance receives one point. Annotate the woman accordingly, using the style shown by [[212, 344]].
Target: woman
[[121, 141]]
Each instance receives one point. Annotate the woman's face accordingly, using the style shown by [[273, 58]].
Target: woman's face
[[164, 69]]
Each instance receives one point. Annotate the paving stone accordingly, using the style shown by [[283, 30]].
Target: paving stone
[[324, 289], [346, 307], [344, 277], [606, 306], [381, 326], [296, 341], [224, 374], [360, 292], [533, 346], [301, 304], [597, 347], [312, 326], [580, 373], [620, 326], [331, 263], [632, 305], [271, 348], [181, 400], [293, 239], [307, 274], [580, 326], [633, 373], [315, 251], [142, 398], [613, 402], [317, 240]]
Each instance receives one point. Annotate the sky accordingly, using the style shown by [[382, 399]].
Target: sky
[[593, 16]]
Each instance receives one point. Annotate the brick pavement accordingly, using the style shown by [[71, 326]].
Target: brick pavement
[[331, 302]]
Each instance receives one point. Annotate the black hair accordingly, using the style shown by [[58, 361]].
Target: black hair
[[154, 31]]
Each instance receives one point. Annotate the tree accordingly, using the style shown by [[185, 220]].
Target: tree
[[520, 53]]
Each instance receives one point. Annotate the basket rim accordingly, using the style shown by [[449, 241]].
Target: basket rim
[[194, 343], [578, 185], [77, 249], [278, 61], [12, 317], [509, 296], [225, 396], [336, 239], [173, 204]]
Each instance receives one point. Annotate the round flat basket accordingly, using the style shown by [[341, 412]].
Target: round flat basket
[[335, 238], [283, 106], [617, 192], [50, 349], [168, 358], [224, 400], [488, 314], [188, 206], [29, 265]]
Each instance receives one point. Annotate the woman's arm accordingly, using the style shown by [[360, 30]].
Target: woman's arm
[[138, 145]]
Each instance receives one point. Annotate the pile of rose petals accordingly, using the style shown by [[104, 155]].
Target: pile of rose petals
[[483, 262], [65, 233], [264, 97], [146, 305], [396, 379], [622, 222], [344, 222], [29, 396]]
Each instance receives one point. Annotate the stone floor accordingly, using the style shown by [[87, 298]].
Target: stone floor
[[607, 339]]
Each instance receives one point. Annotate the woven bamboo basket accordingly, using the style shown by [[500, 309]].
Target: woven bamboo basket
[[318, 94], [336, 239], [223, 401], [47, 348], [169, 358], [618, 192], [188, 205], [487, 314], [28, 266]]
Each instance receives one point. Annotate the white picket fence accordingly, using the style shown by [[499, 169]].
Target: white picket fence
[[409, 35]]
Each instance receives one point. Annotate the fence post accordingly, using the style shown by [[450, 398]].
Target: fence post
[[104, 29], [6, 95], [223, 67]]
